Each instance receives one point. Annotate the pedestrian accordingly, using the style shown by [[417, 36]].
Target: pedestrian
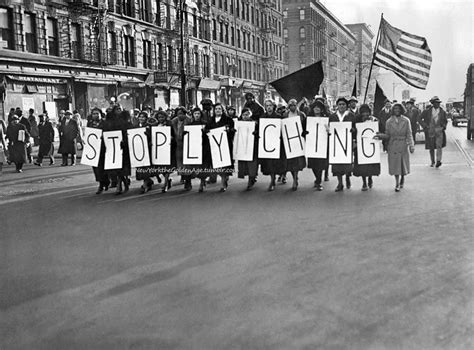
[[366, 171], [96, 121], [18, 138], [24, 120], [318, 165], [272, 167], [249, 168], [45, 140], [68, 133], [399, 139], [256, 108], [383, 116], [80, 138], [343, 115], [10, 115], [3, 146], [295, 165], [34, 126], [178, 124], [220, 119], [413, 114], [202, 170], [434, 121]]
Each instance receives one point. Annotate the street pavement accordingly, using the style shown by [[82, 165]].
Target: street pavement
[[240, 270]]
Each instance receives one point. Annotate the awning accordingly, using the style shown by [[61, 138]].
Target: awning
[[95, 80], [132, 83], [209, 84], [36, 79]]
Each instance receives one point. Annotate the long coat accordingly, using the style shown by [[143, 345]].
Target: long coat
[[435, 135], [46, 138], [343, 169], [399, 136], [17, 149], [68, 133]]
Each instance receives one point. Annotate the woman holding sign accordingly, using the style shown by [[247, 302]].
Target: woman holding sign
[[161, 120], [318, 165], [400, 138], [177, 125], [220, 119], [201, 173], [249, 168], [365, 170], [96, 122], [343, 115], [273, 166]]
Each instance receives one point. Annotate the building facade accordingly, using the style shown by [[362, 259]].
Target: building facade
[[364, 53], [79, 54], [312, 33]]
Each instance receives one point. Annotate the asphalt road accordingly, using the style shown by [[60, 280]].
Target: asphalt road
[[240, 270]]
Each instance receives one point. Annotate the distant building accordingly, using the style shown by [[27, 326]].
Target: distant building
[[312, 33]]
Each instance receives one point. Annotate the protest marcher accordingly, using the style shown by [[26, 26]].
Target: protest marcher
[[231, 112], [34, 126], [281, 110], [145, 173], [256, 108], [249, 168], [317, 165], [400, 138], [413, 114], [353, 106], [24, 120], [201, 170], [96, 121], [383, 116], [135, 117], [220, 119], [18, 138], [366, 171], [294, 165], [68, 133], [272, 167], [434, 121], [45, 139], [343, 115], [161, 118], [206, 110], [178, 124], [80, 137]]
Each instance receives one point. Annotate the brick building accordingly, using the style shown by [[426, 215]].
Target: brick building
[[312, 33]]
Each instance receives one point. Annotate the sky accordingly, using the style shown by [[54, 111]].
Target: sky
[[446, 24]]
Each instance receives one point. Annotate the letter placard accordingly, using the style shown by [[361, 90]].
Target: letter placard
[[192, 146], [138, 147], [269, 141], [293, 140], [368, 149], [220, 151], [317, 137], [92, 144], [161, 145], [340, 143], [113, 149], [244, 140]]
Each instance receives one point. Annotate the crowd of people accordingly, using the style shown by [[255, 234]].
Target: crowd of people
[[398, 123]]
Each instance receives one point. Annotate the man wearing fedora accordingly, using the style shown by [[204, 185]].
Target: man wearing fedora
[[413, 114], [433, 121]]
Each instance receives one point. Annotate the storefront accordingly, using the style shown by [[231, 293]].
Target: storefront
[[91, 92], [131, 92], [209, 88], [40, 93]]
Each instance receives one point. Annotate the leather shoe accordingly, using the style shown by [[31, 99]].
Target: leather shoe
[[438, 164]]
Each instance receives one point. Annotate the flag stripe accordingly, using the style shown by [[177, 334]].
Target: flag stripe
[[407, 55], [409, 63], [417, 82]]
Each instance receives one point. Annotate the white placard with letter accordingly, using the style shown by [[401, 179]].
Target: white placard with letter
[[161, 145], [269, 138], [368, 149], [113, 149], [192, 145], [220, 151], [317, 137], [293, 140], [92, 144], [244, 140], [340, 143], [138, 147]]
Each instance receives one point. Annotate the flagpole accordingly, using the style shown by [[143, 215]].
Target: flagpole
[[373, 57]]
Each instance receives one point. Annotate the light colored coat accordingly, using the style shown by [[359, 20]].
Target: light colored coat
[[399, 137]]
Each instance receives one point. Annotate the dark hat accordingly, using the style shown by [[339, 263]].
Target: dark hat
[[231, 107], [249, 94], [68, 112], [435, 99], [206, 101], [409, 101], [365, 108], [318, 104], [353, 98], [343, 99], [162, 113]]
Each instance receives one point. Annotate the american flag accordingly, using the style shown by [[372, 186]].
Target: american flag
[[405, 54]]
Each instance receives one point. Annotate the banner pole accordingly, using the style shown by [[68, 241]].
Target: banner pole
[[373, 58]]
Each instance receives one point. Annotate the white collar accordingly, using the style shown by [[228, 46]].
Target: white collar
[[341, 117]]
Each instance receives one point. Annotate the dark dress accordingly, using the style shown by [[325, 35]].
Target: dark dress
[[17, 149], [224, 121], [343, 169], [365, 169], [298, 163], [274, 166], [46, 139], [99, 172], [68, 133]]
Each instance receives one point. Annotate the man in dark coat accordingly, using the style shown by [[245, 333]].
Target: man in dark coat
[[383, 116], [206, 110], [46, 139], [434, 121], [413, 114], [26, 123], [257, 109], [18, 137], [68, 133]]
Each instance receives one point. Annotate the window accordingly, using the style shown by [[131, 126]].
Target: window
[[285, 33], [147, 56], [239, 68], [127, 8], [75, 41], [170, 56], [222, 65], [52, 32], [221, 32], [159, 48], [196, 63], [243, 11], [302, 33], [238, 38], [205, 66], [6, 25], [237, 7], [145, 14], [302, 49], [30, 33], [158, 13], [231, 8], [258, 45], [227, 34], [253, 43], [302, 14], [252, 11], [232, 36], [220, 3], [214, 29], [129, 50], [112, 47], [248, 41], [216, 64]]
